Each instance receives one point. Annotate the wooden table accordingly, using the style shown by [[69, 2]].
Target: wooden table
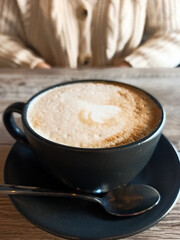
[[19, 85]]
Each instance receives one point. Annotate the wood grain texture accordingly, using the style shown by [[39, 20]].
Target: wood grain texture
[[20, 85]]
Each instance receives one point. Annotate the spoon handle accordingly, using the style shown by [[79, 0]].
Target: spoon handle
[[7, 189]]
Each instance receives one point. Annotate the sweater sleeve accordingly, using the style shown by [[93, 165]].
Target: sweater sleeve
[[13, 49], [13, 53], [162, 45]]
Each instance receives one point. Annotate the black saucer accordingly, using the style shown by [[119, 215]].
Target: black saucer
[[78, 219]]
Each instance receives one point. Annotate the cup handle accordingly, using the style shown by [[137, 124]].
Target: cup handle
[[10, 124]]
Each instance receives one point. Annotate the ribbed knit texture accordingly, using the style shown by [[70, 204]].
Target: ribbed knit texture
[[67, 32]]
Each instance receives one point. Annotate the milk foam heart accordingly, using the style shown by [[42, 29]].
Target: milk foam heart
[[93, 114], [99, 113]]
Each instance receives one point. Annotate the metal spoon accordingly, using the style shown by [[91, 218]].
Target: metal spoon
[[126, 200]]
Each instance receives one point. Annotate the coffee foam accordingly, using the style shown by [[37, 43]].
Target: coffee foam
[[98, 113], [93, 115]]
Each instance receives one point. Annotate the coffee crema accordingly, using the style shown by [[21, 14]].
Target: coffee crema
[[93, 114]]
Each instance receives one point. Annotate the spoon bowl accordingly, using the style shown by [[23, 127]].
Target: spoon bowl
[[126, 200], [131, 200]]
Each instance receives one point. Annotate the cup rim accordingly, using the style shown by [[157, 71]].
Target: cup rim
[[141, 141]]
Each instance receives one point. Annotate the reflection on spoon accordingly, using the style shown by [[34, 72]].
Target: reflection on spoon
[[122, 201]]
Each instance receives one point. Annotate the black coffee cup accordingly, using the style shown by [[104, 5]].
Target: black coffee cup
[[92, 170]]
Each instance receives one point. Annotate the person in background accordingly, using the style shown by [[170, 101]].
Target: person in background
[[89, 33]]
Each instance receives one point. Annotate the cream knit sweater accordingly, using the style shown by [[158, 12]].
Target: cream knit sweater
[[74, 33]]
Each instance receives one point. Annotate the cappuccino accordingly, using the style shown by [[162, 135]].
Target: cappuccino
[[93, 114]]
